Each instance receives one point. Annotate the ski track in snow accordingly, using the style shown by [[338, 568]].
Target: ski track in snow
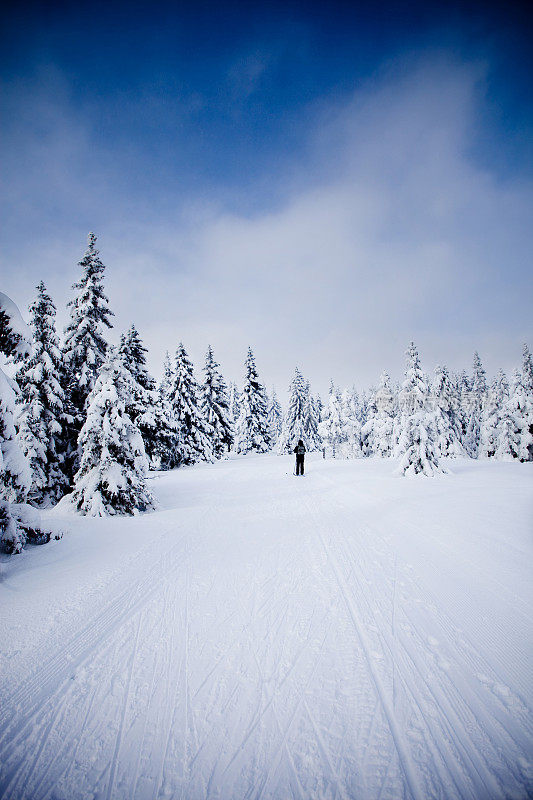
[[274, 643]]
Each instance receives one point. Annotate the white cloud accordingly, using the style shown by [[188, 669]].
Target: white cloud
[[388, 231]]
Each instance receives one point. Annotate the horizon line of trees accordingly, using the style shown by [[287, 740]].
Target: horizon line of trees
[[84, 418]]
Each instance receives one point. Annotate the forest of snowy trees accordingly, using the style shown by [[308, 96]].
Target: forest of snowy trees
[[85, 419]]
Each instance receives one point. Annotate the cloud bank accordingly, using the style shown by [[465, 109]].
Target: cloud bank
[[384, 229]]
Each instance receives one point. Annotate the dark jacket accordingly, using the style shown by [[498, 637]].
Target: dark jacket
[[299, 450]]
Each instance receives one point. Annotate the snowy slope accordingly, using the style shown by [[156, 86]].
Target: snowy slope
[[352, 634]]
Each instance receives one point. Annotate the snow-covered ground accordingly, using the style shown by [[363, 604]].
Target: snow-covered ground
[[352, 634]]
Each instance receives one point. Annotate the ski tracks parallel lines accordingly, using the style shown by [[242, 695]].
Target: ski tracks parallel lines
[[26, 703], [335, 777], [116, 753], [404, 756], [458, 729]]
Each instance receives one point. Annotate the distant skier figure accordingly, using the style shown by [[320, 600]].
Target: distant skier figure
[[300, 454]]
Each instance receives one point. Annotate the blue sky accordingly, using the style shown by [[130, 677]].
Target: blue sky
[[323, 183]]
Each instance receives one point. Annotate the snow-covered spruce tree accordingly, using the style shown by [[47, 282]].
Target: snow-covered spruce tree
[[527, 370], [146, 410], [447, 421], [233, 404], [194, 440], [84, 346], [417, 449], [252, 433], [477, 399], [369, 411], [526, 447], [318, 406], [314, 440], [350, 413], [274, 418], [461, 384], [18, 521], [42, 419], [366, 409], [508, 433], [166, 451], [331, 428], [167, 381], [378, 431], [164, 441], [293, 425], [215, 407], [113, 465], [515, 440], [497, 400], [134, 356], [15, 340]]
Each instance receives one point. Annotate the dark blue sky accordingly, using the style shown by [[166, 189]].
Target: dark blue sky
[[216, 93], [123, 117]]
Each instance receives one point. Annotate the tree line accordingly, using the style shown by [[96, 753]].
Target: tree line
[[87, 419]]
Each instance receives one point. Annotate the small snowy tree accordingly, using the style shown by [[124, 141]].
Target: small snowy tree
[[378, 431], [318, 406], [293, 424], [526, 440], [350, 414], [515, 440], [133, 355], [252, 433], [310, 420], [491, 422], [332, 428], [233, 404], [165, 455], [461, 385], [152, 417], [42, 416], [194, 432], [274, 418], [167, 381], [417, 449], [446, 418], [477, 399], [113, 465], [215, 406]]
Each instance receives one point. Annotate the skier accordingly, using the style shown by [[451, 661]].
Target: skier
[[300, 454]]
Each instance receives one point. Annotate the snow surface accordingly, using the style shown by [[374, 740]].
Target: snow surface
[[351, 634]]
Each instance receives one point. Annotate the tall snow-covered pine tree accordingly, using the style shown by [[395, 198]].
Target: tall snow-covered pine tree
[[294, 423], [477, 399], [446, 417], [84, 346], [18, 521], [147, 411], [417, 448], [493, 413], [42, 417], [274, 417], [378, 431], [332, 428], [194, 441], [252, 433], [215, 406]]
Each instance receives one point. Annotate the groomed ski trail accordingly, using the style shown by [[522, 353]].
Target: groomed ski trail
[[275, 638]]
